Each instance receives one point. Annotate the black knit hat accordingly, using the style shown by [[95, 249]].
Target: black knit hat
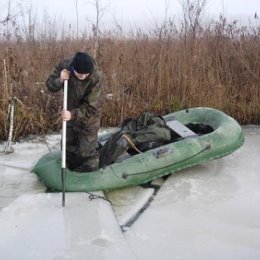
[[82, 63]]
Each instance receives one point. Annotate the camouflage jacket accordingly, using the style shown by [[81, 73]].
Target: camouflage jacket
[[84, 96]]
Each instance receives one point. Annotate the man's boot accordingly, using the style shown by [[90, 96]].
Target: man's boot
[[90, 164]]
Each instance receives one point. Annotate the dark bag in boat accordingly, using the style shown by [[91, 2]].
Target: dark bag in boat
[[147, 128], [112, 149], [136, 135]]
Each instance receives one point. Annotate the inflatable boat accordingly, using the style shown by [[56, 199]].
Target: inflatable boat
[[203, 134]]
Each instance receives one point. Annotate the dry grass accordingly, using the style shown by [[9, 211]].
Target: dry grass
[[159, 72]]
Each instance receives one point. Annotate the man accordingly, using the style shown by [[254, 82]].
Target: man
[[84, 109]]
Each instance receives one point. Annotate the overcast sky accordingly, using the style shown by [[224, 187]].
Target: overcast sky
[[143, 12]]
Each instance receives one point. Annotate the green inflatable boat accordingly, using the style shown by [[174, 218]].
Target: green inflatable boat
[[203, 134]]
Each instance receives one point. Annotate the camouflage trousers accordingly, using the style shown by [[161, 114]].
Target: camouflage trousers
[[81, 152]]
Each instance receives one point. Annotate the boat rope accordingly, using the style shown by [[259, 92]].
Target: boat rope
[[94, 197], [207, 147], [130, 142]]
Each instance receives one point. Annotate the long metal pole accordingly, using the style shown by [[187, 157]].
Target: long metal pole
[[63, 147]]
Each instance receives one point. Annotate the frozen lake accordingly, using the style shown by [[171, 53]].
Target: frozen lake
[[209, 211]]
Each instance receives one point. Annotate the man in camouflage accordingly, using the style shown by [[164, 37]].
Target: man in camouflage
[[84, 109]]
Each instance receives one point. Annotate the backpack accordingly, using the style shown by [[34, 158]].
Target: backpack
[[147, 128], [136, 135]]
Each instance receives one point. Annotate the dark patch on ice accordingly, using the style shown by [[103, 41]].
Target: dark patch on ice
[[148, 185]]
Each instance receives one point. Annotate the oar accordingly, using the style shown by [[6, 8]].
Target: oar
[[63, 144]]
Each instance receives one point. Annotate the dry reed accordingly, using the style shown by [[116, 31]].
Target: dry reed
[[158, 72]]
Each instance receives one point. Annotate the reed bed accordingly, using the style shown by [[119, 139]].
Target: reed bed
[[161, 71]]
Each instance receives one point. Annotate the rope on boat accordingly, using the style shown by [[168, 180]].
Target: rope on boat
[[207, 147], [130, 142]]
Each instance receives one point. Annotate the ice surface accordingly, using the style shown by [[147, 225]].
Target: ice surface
[[206, 212], [37, 227], [128, 202], [16, 177], [209, 211]]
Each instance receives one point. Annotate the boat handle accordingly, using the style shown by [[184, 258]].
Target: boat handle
[[162, 152]]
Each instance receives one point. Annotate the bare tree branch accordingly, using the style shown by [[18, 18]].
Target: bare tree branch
[[192, 14]]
